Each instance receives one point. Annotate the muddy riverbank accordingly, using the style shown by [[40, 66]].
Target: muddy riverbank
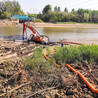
[[16, 81]]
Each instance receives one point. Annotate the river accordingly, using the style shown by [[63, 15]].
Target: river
[[54, 34]]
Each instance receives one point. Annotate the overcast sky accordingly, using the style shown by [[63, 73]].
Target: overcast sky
[[36, 6]]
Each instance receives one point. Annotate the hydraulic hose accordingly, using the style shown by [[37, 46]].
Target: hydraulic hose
[[80, 75]]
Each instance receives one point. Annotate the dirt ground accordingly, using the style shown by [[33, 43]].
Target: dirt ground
[[16, 82]]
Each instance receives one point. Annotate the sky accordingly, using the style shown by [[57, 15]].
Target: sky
[[36, 6]]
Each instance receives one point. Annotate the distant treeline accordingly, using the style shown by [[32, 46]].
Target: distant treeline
[[8, 8], [80, 15]]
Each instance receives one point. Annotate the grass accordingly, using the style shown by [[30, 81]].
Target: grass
[[74, 54], [37, 62], [62, 55], [42, 71]]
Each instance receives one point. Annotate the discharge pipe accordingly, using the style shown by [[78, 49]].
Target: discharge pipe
[[83, 78], [80, 75]]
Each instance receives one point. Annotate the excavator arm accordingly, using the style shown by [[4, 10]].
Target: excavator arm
[[25, 26]]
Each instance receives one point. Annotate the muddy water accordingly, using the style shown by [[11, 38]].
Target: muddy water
[[54, 34], [10, 32]]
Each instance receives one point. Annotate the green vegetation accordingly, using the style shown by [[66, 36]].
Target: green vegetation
[[32, 15], [42, 70], [37, 20], [80, 15], [44, 74], [46, 9], [38, 62], [62, 55], [8, 8], [74, 54]]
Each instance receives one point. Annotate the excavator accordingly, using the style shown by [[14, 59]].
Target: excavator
[[35, 36]]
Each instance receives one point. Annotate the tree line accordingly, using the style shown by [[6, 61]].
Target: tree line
[[56, 15], [8, 8]]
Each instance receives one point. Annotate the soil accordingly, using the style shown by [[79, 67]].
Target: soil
[[16, 82]]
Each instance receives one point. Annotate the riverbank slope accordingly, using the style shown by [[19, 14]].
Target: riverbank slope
[[25, 72]]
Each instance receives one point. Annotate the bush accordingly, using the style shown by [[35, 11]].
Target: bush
[[5, 15], [38, 62], [42, 70], [38, 20], [73, 54]]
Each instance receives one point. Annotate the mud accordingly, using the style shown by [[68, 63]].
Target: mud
[[15, 81]]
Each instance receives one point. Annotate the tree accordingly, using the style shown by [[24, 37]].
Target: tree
[[2, 6], [8, 8], [46, 9], [8, 5], [80, 11], [5, 15], [86, 17], [59, 9], [73, 11], [81, 15], [52, 16], [33, 16], [21, 12], [55, 9], [65, 10]]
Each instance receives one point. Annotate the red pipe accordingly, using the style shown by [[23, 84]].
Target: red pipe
[[51, 61], [71, 43]]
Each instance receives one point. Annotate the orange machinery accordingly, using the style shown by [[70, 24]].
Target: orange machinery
[[35, 36]]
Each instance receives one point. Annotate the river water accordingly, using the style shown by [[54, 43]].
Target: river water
[[54, 34]]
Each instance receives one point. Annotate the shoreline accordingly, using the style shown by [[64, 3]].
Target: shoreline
[[81, 41], [77, 25], [39, 25], [58, 25]]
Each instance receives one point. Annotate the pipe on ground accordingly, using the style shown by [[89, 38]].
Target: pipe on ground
[[81, 76]]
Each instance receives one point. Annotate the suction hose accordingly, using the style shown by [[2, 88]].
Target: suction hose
[[81, 76]]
